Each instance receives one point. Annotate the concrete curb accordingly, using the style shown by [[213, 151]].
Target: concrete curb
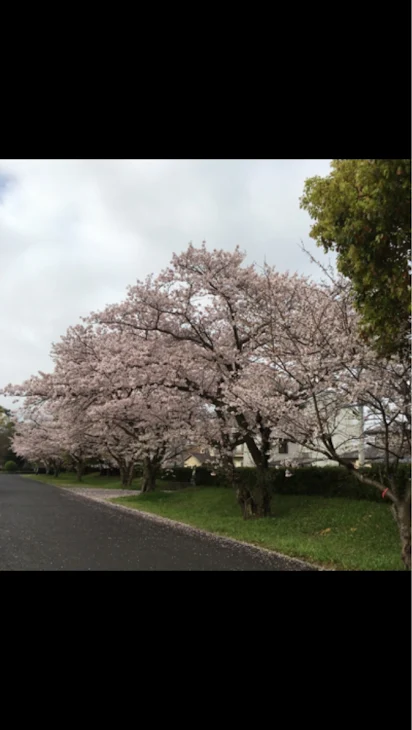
[[196, 530]]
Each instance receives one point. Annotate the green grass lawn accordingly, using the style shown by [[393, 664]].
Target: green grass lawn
[[68, 479], [334, 532]]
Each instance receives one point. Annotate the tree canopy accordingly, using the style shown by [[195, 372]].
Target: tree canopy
[[216, 351], [362, 210]]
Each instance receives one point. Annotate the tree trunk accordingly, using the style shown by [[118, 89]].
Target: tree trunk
[[149, 475], [402, 513], [126, 473], [47, 469], [229, 470], [57, 470], [79, 471], [254, 501], [130, 476]]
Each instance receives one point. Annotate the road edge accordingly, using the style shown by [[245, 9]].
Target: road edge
[[197, 530]]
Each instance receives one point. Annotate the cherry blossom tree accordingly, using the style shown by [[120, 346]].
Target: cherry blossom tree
[[208, 316], [115, 380], [42, 397], [36, 439], [236, 354], [316, 365]]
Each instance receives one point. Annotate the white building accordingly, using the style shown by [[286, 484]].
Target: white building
[[347, 428]]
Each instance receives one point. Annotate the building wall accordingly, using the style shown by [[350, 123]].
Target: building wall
[[243, 458], [192, 461], [346, 436], [346, 431]]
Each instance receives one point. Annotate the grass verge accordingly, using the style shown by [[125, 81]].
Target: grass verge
[[334, 532], [68, 479]]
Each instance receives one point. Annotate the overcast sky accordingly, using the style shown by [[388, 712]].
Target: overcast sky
[[75, 233]]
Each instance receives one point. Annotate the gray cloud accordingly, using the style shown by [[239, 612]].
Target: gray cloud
[[75, 233]]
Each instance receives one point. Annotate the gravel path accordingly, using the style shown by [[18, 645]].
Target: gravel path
[[101, 495]]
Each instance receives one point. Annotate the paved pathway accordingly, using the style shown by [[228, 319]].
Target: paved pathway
[[101, 494], [49, 528]]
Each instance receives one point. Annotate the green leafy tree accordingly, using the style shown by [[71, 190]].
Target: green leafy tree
[[362, 211], [10, 466], [6, 434]]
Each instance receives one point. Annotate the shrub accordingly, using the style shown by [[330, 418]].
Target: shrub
[[328, 481], [176, 473], [10, 466], [401, 475], [205, 477], [209, 477]]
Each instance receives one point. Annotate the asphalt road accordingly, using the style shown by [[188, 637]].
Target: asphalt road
[[46, 528]]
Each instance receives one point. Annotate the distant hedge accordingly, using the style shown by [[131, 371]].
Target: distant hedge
[[328, 481], [183, 474]]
